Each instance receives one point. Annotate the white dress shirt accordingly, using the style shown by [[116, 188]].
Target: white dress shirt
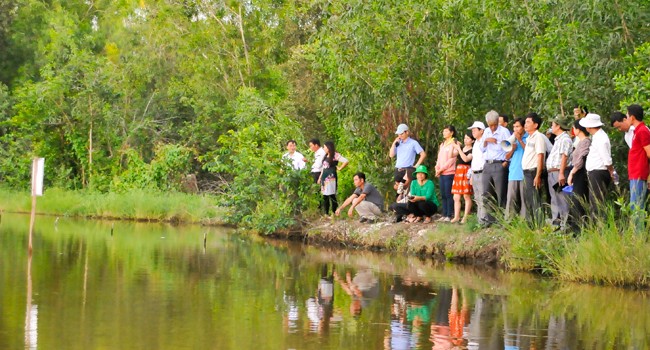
[[478, 162], [297, 161], [319, 155], [600, 152], [493, 151], [629, 135]]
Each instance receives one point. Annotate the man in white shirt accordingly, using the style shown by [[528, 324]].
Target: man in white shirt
[[296, 158], [598, 164], [476, 169], [623, 124], [319, 155], [532, 163], [495, 171], [557, 165]]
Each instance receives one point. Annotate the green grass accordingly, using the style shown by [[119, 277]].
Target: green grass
[[608, 251], [134, 205]]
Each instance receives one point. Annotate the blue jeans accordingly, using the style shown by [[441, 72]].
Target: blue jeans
[[638, 189], [445, 192]]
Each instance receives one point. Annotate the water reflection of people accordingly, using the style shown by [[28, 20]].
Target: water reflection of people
[[362, 288], [447, 332], [320, 309], [410, 310]]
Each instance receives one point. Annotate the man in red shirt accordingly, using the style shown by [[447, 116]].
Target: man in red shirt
[[637, 160]]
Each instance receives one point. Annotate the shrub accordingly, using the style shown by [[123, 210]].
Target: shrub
[[264, 193]]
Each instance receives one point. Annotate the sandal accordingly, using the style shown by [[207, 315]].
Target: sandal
[[454, 220], [417, 219], [427, 220]]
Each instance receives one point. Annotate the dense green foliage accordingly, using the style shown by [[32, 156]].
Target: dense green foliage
[[120, 95]]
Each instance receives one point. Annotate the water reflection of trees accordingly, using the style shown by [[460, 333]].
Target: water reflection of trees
[[415, 303]]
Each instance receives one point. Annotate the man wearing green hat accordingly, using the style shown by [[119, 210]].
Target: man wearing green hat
[[558, 165]]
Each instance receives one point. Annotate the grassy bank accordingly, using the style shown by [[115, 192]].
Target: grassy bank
[[443, 241], [609, 251], [134, 205]]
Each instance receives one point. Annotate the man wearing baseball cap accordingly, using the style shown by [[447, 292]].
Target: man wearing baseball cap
[[404, 149]]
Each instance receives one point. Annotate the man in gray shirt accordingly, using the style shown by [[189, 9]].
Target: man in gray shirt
[[367, 201]]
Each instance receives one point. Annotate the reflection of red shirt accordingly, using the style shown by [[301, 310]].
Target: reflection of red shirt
[[637, 159], [456, 323]]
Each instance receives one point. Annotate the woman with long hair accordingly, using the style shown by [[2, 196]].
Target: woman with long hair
[[446, 169], [332, 163], [461, 187]]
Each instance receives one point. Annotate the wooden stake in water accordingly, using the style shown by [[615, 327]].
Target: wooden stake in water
[[38, 167]]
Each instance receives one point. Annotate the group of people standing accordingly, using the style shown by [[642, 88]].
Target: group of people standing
[[572, 163], [366, 199], [499, 168]]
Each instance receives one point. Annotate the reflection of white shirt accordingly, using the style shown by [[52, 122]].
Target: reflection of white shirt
[[319, 155], [297, 161], [629, 135]]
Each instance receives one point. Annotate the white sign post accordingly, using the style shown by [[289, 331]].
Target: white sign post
[[38, 170]]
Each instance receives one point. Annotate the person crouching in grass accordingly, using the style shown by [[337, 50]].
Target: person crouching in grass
[[422, 201]]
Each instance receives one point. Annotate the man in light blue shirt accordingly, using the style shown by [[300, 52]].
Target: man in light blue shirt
[[516, 192], [404, 149]]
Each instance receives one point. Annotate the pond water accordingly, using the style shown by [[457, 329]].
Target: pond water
[[152, 286]]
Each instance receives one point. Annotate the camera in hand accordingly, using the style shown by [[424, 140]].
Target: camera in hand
[[557, 187]]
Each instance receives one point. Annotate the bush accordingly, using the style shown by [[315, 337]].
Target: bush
[[264, 193]]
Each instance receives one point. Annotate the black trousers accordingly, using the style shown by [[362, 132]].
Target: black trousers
[[419, 208], [578, 199], [599, 181], [533, 198], [330, 202]]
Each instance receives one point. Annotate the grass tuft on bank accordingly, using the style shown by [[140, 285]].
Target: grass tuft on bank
[[607, 251], [134, 205]]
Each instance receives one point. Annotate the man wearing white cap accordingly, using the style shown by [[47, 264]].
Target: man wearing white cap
[[599, 161], [404, 149], [476, 169]]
